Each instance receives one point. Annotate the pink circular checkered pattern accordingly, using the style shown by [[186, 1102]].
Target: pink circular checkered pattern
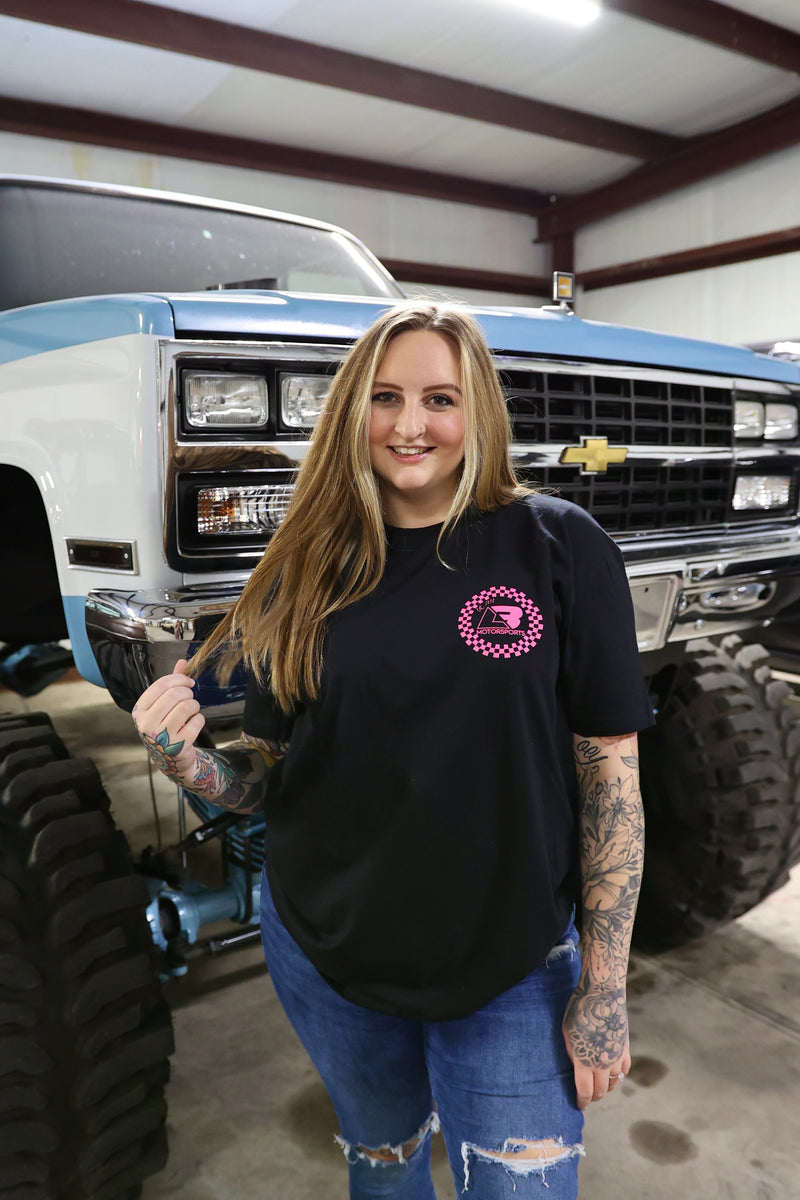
[[513, 648]]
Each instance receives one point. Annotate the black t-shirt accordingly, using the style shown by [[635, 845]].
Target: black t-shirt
[[421, 840]]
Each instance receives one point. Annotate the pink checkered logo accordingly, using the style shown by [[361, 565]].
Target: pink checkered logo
[[500, 622]]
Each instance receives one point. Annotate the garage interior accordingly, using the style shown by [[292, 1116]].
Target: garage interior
[[475, 146]]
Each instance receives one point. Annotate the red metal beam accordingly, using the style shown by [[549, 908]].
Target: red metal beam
[[219, 41], [764, 245], [704, 156], [148, 137], [722, 26], [467, 277]]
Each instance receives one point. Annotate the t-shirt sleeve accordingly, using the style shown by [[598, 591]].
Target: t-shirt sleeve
[[601, 681], [263, 717]]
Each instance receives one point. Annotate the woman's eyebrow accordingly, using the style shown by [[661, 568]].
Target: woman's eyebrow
[[437, 387]]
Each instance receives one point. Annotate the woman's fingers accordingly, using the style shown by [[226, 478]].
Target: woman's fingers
[[593, 1083], [168, 720], [584, 1085], [160, 686], [171, 711]]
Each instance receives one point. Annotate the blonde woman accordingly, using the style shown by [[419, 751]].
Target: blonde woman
[[443, 681]]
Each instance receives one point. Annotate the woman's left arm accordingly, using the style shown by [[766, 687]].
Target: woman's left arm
[[611, 830]]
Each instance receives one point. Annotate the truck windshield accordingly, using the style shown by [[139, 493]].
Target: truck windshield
[[59, 242]]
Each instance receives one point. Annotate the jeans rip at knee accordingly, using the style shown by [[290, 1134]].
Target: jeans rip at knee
[[521, 1157]]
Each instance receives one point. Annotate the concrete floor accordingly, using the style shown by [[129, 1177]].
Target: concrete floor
[[711, 1108]]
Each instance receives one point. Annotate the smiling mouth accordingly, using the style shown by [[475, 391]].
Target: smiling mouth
[[411, 451]]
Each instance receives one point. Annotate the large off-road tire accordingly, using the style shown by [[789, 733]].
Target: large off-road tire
[[720, 787], [85, 1035]]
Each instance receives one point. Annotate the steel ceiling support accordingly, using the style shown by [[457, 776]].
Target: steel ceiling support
[[148, 137], [467, 277], [219, 41], [764, 245], [703, 157], [722, 26], [563, 252]]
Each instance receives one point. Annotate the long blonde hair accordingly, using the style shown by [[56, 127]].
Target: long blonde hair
[[330, 549]]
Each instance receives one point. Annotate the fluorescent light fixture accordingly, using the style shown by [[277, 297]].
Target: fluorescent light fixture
[[574, 12]]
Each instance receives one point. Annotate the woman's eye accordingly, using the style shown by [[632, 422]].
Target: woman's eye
[[440, 400], [383, 398]]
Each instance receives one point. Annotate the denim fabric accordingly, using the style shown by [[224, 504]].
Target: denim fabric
[[494, 1079]]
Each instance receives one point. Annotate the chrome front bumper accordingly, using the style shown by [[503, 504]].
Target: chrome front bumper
[[138, 636]]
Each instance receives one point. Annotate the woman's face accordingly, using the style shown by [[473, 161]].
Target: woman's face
[[416, 428]]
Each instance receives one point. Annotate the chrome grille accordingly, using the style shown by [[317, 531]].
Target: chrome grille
[[561, 408]]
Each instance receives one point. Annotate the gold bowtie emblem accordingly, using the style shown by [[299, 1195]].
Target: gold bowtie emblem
[[593, 455]]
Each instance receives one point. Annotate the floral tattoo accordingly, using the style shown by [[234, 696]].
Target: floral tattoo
[[611, 850], [162, 752]]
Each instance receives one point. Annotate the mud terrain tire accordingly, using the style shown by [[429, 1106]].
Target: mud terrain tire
[[85, 1035], [720, 787]]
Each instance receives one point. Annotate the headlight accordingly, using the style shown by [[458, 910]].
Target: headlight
[[781, 422], [749, 419], [302, 399], [758, 492], [227, 401], [242, 509]]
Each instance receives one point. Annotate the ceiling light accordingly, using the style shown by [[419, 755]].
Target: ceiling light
[[574, 12]]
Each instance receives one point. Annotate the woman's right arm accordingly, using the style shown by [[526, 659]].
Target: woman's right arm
[[168, 720]]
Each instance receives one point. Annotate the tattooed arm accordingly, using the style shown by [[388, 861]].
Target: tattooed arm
[[611, 832], [169, 721]]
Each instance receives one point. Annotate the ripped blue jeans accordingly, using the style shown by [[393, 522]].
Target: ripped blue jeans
[[498, 1082]]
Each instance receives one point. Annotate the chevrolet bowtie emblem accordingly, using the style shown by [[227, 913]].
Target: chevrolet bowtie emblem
[[593, 455]]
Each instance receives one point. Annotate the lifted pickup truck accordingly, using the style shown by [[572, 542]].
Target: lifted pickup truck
[[162, 361]]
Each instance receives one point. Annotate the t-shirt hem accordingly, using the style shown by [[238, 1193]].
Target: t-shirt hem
[[590, 725]]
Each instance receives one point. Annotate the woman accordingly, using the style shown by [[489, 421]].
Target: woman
[[443, 677]]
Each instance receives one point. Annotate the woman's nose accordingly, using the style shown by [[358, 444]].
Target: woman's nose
[[410, 422]]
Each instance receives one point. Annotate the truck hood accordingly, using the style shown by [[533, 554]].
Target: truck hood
[[513, 331], [277, 316]]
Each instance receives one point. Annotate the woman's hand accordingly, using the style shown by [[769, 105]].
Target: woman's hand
[[596, 1034], [168, 720]]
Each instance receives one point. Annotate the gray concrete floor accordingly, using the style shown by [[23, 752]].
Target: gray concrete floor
[[711, 1108]]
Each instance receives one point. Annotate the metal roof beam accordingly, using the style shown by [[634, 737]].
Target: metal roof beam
[[219, 41], [467, 277], [711, 154], [148, 137], [702, 258], [722, 26]]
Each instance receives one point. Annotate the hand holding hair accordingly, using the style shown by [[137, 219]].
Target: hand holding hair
[[168, 720]]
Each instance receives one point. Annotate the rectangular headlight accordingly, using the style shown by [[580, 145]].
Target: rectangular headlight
[[244, 510], [749, 419], [759, 492], [781, 423], [224, 400], [302, 399]]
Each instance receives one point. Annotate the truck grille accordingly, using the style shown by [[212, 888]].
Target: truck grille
[[556, 409], [551, 407], [639, 496]]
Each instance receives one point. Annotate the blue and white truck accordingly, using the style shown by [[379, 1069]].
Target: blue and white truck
[[163, 359]]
